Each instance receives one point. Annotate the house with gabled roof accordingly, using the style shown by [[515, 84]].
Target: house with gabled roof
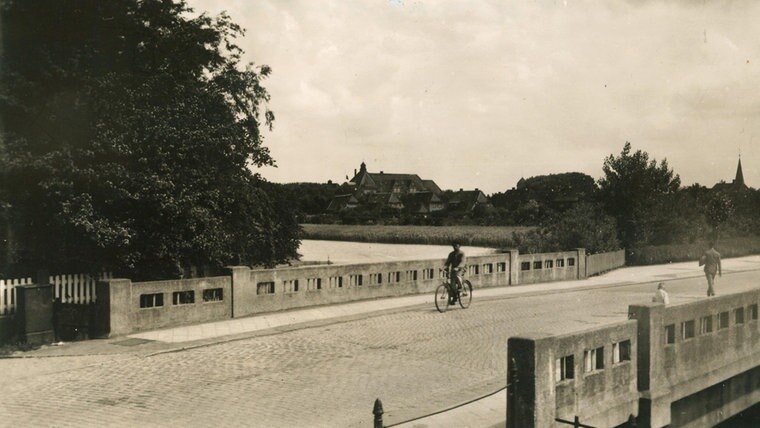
[[383, 201], [367, 182], [408, 192], [467, 200], [423, 203], [342, 202]]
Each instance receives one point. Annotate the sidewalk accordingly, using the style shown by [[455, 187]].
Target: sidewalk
[[488, 411]]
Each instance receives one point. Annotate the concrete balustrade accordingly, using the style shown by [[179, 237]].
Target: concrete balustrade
[[244, 292], [573, 375], [688, 365]]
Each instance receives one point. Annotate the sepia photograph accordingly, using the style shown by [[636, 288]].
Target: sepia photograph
[[379, 213]]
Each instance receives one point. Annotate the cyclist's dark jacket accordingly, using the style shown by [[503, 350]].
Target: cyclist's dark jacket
[[455, 259]]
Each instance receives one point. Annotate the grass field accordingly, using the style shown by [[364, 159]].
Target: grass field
[[481, 236]]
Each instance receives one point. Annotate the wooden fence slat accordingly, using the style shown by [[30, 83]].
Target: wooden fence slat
[[72, 288], [78, 281], [3, 298], [66, 294], [86, 289]]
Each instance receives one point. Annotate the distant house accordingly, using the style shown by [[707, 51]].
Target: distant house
[[423, 203], [343, 202], [383, 201], [380, 182], [391, 191], [381, 191], [467, 200], [736, 185]]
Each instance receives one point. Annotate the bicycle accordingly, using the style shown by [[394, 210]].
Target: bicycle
[[443, 292]]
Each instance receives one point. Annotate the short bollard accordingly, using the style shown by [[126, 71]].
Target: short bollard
[[378, 412]]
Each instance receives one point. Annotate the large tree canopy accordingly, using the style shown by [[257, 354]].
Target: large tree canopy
[[130, 131], [638, 192]]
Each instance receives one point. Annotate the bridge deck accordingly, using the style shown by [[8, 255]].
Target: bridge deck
[[416, 360]]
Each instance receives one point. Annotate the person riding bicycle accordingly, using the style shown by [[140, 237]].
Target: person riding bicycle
[[454, 265]]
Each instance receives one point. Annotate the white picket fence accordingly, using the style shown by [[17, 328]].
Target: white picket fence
[[77, 288], [8, 294]]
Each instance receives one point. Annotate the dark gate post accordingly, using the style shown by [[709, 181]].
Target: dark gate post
[[511, 384], [35, 310]]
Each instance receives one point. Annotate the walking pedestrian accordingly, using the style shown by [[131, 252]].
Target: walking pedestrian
[[711, 261]]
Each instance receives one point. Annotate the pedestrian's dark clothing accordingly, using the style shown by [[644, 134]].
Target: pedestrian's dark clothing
[[454, 263], [711, 260], [455, 259]]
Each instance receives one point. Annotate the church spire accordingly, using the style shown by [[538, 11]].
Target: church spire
[[739, 180]]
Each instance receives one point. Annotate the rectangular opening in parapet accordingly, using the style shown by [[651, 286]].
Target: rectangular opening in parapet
[[565, 368], [621, 351], [266, 287], [706, 325], [687, 329], [153, 300], [723, 320], [183, 297], [593, 359], [336, 282], [213, 295], [739, 315]]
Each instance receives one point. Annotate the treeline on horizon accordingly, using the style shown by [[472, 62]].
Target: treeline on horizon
[[638, 203]]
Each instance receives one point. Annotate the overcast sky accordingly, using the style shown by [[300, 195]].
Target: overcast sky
[[480, 93]]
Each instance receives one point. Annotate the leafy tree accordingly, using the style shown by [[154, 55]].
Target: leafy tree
[[309, 199], [131, 127], [634, 191], [718, 209], [586, 226]]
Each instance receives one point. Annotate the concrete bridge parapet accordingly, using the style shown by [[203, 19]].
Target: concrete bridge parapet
[[692, 364]]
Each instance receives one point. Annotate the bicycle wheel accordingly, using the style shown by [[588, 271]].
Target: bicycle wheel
[[465, 295], [442, 298]]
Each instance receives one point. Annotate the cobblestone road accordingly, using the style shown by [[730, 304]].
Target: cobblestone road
[[416, 360]]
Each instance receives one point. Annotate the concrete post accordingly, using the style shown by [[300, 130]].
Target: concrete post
[[580, 261], [530, 387], [34, 305], [654, 405], [514, 267], [240, 277], [113, 308]]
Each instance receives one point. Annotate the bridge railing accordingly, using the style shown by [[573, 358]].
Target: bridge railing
[[574, 375], [689, 364]]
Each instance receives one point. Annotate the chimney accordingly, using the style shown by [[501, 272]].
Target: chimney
[[381, 172], [354, 171], [461, 189]]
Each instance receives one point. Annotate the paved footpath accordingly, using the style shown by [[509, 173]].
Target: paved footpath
[[325, 366]]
